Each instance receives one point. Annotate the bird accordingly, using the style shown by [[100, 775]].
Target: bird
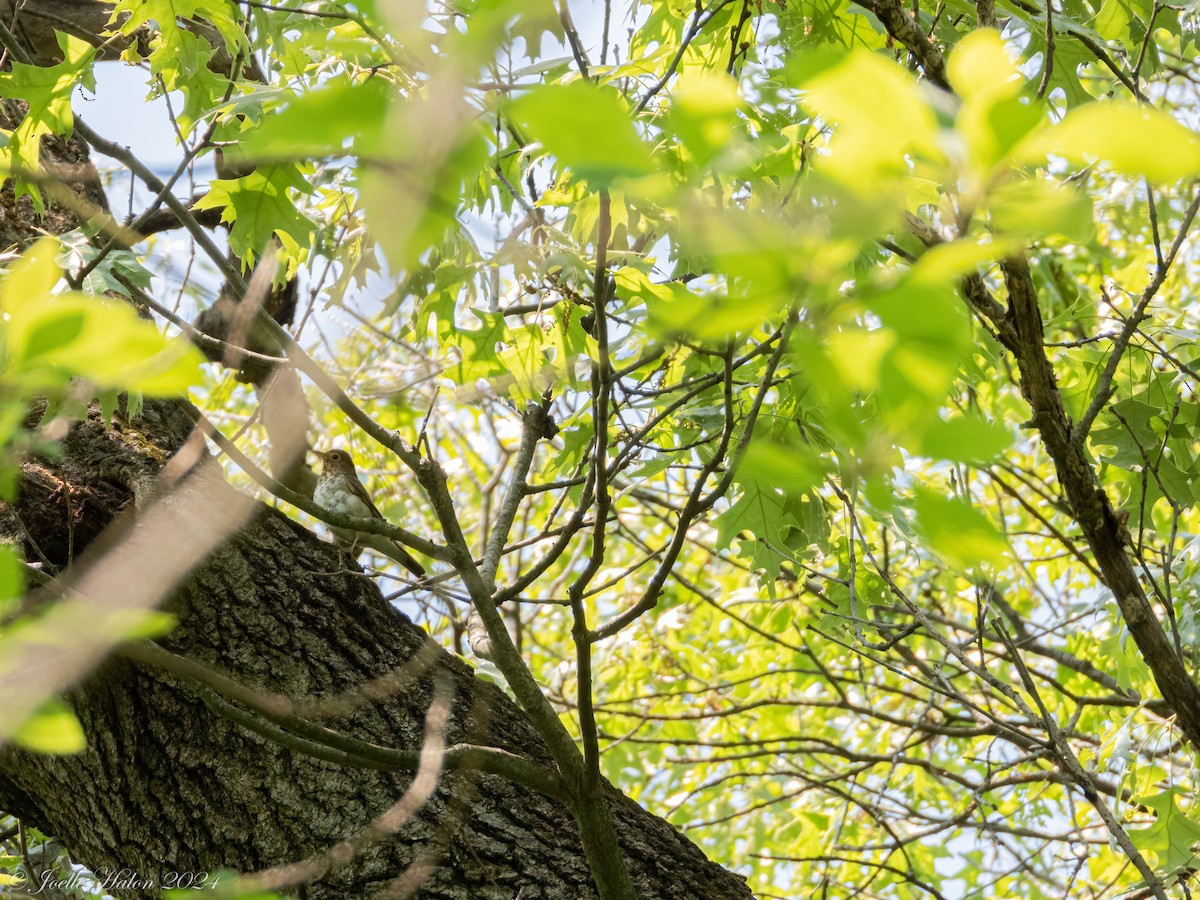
[[339, 491]]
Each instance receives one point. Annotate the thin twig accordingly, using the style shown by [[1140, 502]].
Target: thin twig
[[1048, 61], [1104, 386]]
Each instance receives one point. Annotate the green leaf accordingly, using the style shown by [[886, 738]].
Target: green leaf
[[47, 90], [703, 113], [793, 466], [180, 56], [1112, 21], [338, 117], [414, 207], [587, 128], [957, 531], [914, 357], [879, 116], [220, 885], [993, 116], [968, 438], [1041, 207], [775, 522], [147, 362], [262, 206], [980, 67], [111, 273], [674, 308], [1172, 836], [12, 576], [59, 327], [53, 729], [136, 624], [72, 334], [949, 261], [34, 274], [1134, 140]]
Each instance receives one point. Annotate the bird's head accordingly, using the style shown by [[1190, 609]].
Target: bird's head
[[335, 462]]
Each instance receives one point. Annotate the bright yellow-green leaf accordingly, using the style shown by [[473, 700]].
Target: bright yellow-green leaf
[[794, 467], [1041, 207], [33, 275], [674, 309], [945, 263], [981, 68], [132, 624], [587, 128], [52, 729], [325, 121], [703, 112], [1135, 140], [993, 117], [78, 335], [957, 531], [967, 438], [858, 355], [992, 126], [11, 576], [879, 115]]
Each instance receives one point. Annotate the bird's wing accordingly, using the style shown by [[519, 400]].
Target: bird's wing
[[387, 546], [371, 511], [375, 513]]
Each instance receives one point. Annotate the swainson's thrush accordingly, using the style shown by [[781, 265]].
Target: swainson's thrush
[[340, 491]]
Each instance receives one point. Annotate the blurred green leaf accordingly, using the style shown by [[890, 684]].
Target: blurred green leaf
[[12, 579], [703, 114], [879, 115], [957, 531], [980, 67], [968, 438], [1041, 207], [72, 334], [340, 116], [587, 128], [1133, 139], [53, 729], [794, 467]]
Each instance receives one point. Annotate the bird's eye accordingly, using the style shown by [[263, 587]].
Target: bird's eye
[[335, 455]]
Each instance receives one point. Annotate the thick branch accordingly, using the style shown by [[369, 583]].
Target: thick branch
[[1022, 333], [903, 27]]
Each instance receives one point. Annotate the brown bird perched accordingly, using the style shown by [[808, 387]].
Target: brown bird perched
[[339, 491]]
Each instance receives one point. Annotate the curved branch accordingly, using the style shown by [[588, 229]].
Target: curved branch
[[326, 743]]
